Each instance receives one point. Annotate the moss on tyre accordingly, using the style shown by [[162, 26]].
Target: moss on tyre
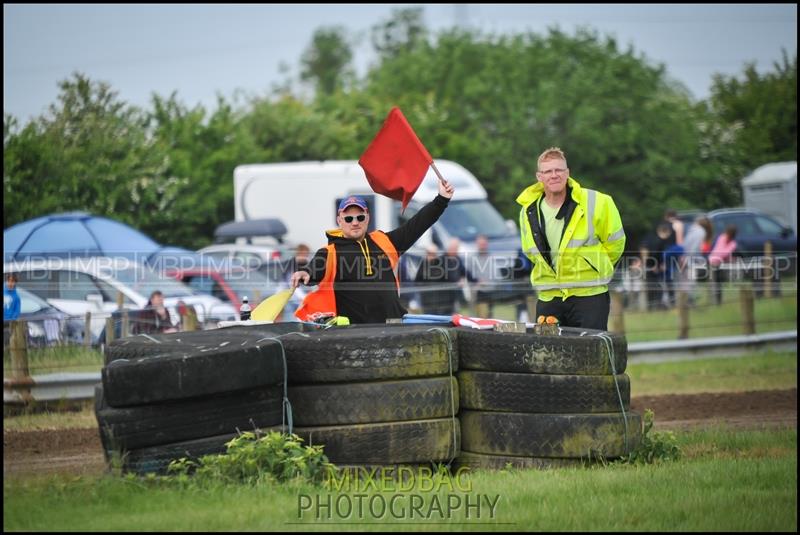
[[549, 435], [370, 354], [376, 401], [574, 352], [540, 393], [416, 441]]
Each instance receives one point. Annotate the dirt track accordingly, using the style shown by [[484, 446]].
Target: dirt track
[[78, 451]]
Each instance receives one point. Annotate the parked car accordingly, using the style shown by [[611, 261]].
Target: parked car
[[230, 285], [81, 285], [753, 230], [46, 324]]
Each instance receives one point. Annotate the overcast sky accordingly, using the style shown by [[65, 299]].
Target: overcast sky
[[199, 50]]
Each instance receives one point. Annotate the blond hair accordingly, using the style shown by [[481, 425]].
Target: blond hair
[[552, 153]]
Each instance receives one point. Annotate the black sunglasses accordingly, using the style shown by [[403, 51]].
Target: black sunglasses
[[349, 218]]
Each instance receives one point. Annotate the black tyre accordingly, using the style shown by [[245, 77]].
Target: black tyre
[[193, 374], [377, 401], [549, 435], [370, 354], [138, 346], [175, 421], [416, 441], [529, 392], [480, 461], [571, 353]]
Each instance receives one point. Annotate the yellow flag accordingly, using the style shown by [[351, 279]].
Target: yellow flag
[[270, 307]]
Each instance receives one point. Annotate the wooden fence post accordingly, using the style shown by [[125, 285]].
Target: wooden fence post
[[683, 314], [87, 330], [617, 313], [530, 303], [109, 330], [21, 380], [769, 272], [125, 328], [120, 300], [747, 309], [18, 344]]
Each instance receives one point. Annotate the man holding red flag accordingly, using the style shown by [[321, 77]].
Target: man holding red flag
[[357, 272]]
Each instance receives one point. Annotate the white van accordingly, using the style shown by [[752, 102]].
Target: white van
[[305, 195]]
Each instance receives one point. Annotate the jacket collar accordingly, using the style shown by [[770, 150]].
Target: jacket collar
[[532, 193]]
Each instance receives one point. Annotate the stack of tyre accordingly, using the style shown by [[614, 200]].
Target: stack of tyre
[[537, 401], [376, 395], [185, 395]]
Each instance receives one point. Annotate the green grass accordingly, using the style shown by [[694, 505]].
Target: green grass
[[729, 480], [57, 359], [51, 419], [753, 372]]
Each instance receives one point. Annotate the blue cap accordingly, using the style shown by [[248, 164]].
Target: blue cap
[[353, 200]]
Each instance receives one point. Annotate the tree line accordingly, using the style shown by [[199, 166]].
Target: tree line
[[491, 103]]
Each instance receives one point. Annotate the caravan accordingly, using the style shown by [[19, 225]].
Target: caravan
[[305, 195]]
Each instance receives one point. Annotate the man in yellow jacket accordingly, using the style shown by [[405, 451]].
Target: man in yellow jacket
[[574, 237]]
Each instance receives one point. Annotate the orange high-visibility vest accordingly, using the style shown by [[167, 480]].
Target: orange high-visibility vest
[[322, 302]]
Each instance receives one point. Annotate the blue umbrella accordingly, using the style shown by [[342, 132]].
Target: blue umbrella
[[75, 234]]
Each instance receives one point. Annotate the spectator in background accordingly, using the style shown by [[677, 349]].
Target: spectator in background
[[481, 268], [155, 318], [653, 255], [671, 216], [695, 263], [721, 252], [11, 302]]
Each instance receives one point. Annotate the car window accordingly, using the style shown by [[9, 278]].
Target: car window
[[29, 303], [745, 224], [110, 293], [40, 282], [768, 226], [201, 283], [248, 260], [75, 286], [145, 281], [217, 254]]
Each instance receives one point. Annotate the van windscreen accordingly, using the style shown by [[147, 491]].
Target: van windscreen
[[467, 219]]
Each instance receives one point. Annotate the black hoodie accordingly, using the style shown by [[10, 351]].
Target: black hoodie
[[371, 298]]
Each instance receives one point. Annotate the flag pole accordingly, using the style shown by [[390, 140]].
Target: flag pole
[[441, 178]]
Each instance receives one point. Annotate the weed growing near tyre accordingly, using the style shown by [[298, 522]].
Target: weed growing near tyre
[[254, 459], [655, 446]]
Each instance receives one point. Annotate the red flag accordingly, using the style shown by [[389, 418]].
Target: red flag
[[396, 161]]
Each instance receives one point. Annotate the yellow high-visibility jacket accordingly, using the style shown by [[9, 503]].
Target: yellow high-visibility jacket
[[592, 242]]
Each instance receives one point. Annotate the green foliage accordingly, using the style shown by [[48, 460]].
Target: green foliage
[[762, 111], [327, 61], [91, 152], [253, 459], [654, 447], [402, 32]]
